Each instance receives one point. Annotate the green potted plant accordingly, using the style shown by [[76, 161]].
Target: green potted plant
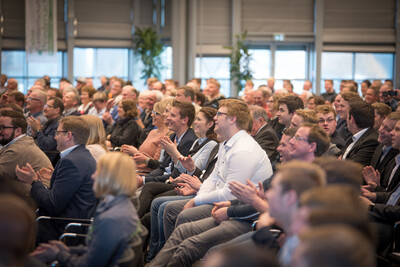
[[240, 58], [149, 48]]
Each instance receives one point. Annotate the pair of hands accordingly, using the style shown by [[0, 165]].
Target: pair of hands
[[107, 118], [48, 252], [170, 147], [136, 155], [27, 174], [372, 177], [130, 150], [35, 125], [250, 194], [186, 184], [219, 212]]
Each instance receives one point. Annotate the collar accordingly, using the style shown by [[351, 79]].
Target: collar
[[178, 139], [216, 97], [234, 138], [69, 111], [36, 114], [201, 140], [65, 152], [397, 159], [53, 120], [386, 149], [107, 201], [260, 129], [359, 134], [13, 141]]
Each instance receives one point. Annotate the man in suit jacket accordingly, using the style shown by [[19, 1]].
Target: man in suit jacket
[[263, 133], [343, 111], [389, 180], [179, 120], [70, 193], [384, 209], [361, 146], [44, 136], [18, 149], [383, 158]]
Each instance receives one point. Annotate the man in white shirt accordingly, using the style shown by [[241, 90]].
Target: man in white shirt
[[240, 158]]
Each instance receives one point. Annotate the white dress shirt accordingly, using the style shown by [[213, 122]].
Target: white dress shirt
[[239, 159]]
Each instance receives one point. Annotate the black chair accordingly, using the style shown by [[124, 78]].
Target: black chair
[[132, 257]]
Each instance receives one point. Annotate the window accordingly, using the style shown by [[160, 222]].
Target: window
[[96, 62], [214, 67], [260, 64], [355, 66], [373, 66], [166, 71], [291, 64], [14, 65]]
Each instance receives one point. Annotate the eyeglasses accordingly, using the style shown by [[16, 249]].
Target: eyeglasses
[[2, 128], [59, 132], [48, 106], [219, 113], [299, 138], [155, 113], [329, 120], [30, 98]]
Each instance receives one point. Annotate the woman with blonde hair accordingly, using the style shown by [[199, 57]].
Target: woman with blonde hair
[[96, 142], [115, 221], [149, 152]]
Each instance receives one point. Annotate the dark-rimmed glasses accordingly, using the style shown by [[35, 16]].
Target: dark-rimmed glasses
[[2, 128], [221, 113]]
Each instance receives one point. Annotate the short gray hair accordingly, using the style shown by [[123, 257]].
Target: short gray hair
[[258, 112]]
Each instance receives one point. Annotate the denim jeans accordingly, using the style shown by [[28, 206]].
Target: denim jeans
[[157, 239]]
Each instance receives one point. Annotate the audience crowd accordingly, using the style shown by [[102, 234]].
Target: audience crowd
[[271, 178]]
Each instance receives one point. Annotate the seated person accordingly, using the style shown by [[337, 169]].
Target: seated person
[[239, 150], [332, 246], [70, 193], [99, 105], [179, 120], [125, 131], [18, 149], [115, 221], [96, 142], [149, 153], [44, 136], [197, 158], [87, 93]]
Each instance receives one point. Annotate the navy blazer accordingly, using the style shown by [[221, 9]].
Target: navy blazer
[[70, 194], [184, 146]]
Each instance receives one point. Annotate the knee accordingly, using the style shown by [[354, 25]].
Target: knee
[[182, 218], [155, 204]]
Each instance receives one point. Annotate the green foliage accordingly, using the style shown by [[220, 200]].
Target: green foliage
[[240, 59], [149, 49]]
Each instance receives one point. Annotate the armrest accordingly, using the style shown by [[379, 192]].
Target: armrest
[[64, 219], [76, 225], [64, 235]]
